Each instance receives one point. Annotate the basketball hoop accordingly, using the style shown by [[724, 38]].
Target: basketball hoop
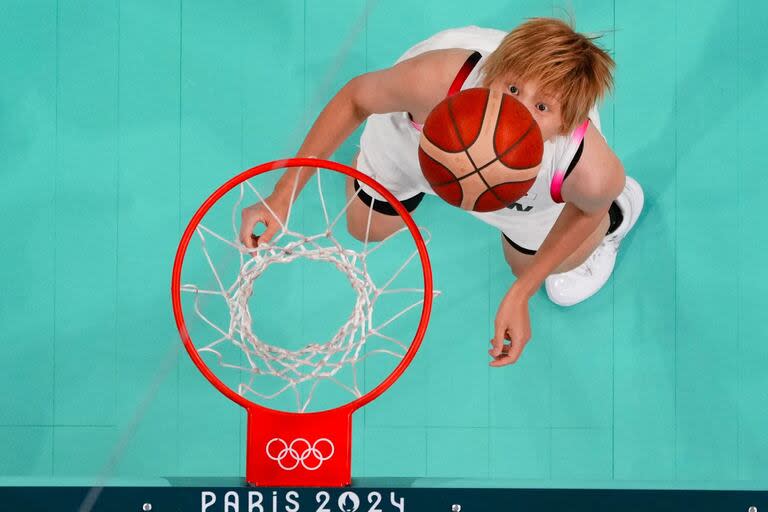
[[286, 448]]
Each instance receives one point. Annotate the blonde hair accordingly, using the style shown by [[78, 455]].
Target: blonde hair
[[567, 65]]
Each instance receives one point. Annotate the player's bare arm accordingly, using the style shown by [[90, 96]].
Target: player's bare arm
[[414, 85], [597, 180]]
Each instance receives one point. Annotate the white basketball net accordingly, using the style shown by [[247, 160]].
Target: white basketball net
[[314, 362]]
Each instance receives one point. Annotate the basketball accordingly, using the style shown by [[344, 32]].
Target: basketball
[[480, 149]]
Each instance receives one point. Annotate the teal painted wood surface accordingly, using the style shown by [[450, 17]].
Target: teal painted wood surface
[[752, 236], [85, 225], [644, 278], [28, 129], [706, 316]]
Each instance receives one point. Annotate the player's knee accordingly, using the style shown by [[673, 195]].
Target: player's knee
[[360, 229], [357, 226], [365, 225], [517, 268], [518, 262], [354, 228]]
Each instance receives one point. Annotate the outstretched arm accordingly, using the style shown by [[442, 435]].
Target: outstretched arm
[[596, 181]]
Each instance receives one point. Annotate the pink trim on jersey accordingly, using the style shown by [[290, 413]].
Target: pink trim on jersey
[[556, 187], [463, 73]]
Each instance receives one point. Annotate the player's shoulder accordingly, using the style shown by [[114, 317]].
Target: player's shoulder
[[598, 177], [434, 70], [441, 57], [415, 84]]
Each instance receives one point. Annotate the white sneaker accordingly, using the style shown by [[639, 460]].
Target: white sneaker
[[584, 281]]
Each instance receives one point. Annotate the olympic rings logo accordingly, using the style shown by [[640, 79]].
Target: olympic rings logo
[[300, 452]]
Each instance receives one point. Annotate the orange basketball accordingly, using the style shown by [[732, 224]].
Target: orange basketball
[[480, 149]]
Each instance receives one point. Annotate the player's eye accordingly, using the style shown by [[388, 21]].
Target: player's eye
[[541, 107], [513, 89]]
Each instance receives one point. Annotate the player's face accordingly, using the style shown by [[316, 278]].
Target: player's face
[[544, 109]]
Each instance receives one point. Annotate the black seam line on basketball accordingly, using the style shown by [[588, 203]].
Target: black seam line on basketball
[[478, 169], [438, 146], [518, 141], [488, 189], [456, 127], [450, 113], [461, 190], [492, 190], [464, 146]]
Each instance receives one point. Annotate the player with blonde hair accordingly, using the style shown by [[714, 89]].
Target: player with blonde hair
[[565, 232]]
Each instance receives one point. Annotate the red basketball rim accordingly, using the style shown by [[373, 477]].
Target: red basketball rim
[[301, 162]]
